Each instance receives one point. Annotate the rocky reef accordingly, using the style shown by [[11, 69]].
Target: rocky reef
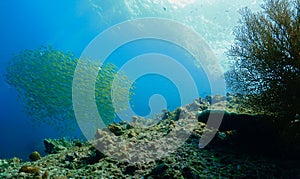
[[243, 146]]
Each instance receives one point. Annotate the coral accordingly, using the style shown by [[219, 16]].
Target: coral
[[34, 156], [264, 59], [116, 129], [264, 73], [45, 175], [117, 158], [53, 146], [30, 169]]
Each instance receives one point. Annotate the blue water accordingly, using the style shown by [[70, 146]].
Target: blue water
[[27, 25], [69, 26]]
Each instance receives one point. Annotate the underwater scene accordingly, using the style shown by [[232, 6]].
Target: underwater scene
[[149, 89]]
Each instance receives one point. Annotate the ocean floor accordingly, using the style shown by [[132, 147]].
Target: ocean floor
[[222, 158]]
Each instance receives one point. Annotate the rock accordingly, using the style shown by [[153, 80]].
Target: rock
[[93, 157], [230, 121], [134, 119], [78, 143], [53, 146], [254, 133], [190, 173], [215, 99], [34, 156], [45, 175], [125, 125], [195, 106], [4, 163], [130, 170], [159, 171], [204, 104], [71, 157], [131, 134], [166, 115], [29, 169], [15, 160], [116, 129], [130, 159], [101, 134]]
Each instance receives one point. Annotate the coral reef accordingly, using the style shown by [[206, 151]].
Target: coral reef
[[224, 157], [34, 156], [29, 169]]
